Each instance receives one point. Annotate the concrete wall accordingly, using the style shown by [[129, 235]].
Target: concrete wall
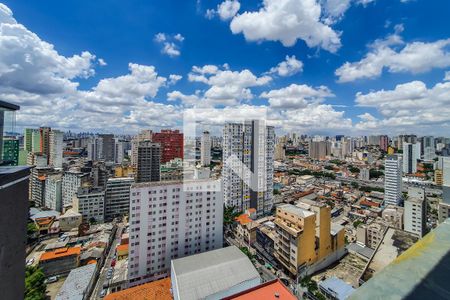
[[13, 233]]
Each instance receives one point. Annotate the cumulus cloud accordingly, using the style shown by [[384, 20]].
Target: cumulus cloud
[[415, 57], [228, 9], [411, 105], [170, 44], [296, 96], [288, 67], [226, 87], [30, 64], [174, 78], [287, 21], [102, 62]]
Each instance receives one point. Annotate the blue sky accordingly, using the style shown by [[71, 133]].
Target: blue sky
[[404, 42]]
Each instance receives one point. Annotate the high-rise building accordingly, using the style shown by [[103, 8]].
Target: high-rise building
[[446, 180], [10, 151], [90, 203], [384, 142], [205, 149], [411, 154], [28, 142], [248, 178], [56, 148], [117, 197], [37, 185], [148, 162], [280, 152], [144, 135], [319, 149], [44, 141], [53, 192], [415, 214], [306, 237], [392, 180], [429, 148], [170, 220], [108, 146], [72, 180], [171, 144], [95, 149], [14, 208], [119, 151]]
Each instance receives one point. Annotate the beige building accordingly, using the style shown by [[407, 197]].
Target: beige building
[[69, 220], [371, 235], [443, 211], [438, 177], [393, 216], [306, 241]]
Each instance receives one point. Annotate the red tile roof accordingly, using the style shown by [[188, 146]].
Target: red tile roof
[[156, 290], [271, 290]]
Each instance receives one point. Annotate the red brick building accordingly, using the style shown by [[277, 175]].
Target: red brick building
[[171, 144]]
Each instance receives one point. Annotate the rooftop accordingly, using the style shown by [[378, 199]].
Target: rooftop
[[62, 252], [296, 210], [335, 286], [156, 290], [77, 283], [208, 273], [270, 290], [421, 272], [8, 106]]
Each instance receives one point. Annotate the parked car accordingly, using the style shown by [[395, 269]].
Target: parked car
[[103, 293], [30, 262], [113, 263], [51, 279]]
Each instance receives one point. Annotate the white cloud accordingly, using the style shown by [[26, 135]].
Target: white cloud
[[210, 13], [288, 67], [415, 57], [335, 9], [296, 96], [447, 76], [179, 37], [31, 65], [228, 9], [287, 21], [226, 87], [409, 106], [102, 62], [171, 49], [174, 78], [171, 44]]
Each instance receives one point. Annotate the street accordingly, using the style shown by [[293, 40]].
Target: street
[[102, 276]]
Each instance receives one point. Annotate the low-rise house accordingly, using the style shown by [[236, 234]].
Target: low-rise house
[[69, 220], [79, 284], [60, 261]]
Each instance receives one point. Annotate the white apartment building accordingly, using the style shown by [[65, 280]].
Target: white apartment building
[[90, 203], [205, 149], [392, 180], [56, 148], [117, 197], [252, 144], [144, 135], [415, 216], [53, 192], [72, 180], [411, 154], [170, 220], [429, 149]]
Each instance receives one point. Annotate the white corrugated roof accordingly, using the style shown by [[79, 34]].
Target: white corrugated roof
[[201, 275]]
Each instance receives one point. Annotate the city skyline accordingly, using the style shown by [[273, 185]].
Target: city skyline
[[326, 77]]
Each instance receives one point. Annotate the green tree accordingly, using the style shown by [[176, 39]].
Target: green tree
[[355, 185], [246, 252], [374, 173], [353, 169], [357, 223], [229, 215], [34, 283], [31, 228]]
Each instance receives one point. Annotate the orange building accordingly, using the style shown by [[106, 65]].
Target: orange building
[[267, 291], [156, 290], [60, 261]]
